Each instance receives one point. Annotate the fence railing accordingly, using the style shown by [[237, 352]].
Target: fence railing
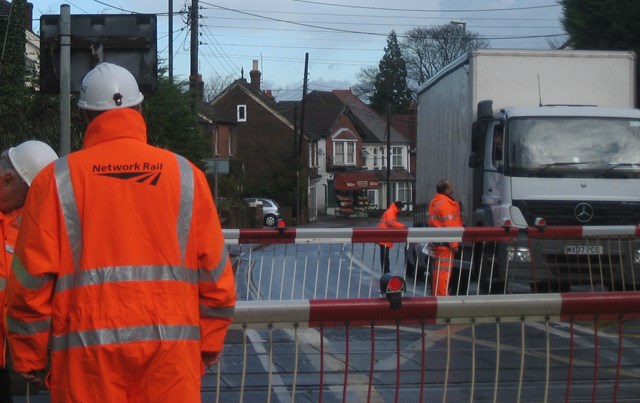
[[345, 262], [492, 348]]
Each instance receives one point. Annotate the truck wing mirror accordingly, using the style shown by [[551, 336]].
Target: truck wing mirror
[[474, 160], [477, 134]]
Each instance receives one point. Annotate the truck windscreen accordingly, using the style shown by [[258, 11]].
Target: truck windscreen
[[573, 147]]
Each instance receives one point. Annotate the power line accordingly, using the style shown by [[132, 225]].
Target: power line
[[427, 10], [373, 23], [293, 22], [378, 34], [414, 17]]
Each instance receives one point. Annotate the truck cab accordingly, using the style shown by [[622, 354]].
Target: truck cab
[[558, 165]]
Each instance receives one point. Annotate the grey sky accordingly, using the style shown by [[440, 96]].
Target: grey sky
[[341, 36]]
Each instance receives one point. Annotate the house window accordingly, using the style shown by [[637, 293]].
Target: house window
[[344, 152], [403, 192], [396, 157], [375, 158], [313, 155], [232, 145], [242, 113]]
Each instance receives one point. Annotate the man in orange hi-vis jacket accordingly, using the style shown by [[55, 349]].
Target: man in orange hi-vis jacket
[[120, 263], [18, 166], [443, 212], [389, 220]]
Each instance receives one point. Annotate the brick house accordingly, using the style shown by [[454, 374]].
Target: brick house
[[352, 152], [258, 139]]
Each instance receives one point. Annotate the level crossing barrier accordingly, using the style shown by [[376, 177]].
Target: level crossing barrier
[[553, 347], [319, 263]]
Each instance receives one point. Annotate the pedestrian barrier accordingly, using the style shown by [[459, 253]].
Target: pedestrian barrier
[[567, 347], [335, 263]]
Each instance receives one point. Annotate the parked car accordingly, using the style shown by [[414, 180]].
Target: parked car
[[270, 209]]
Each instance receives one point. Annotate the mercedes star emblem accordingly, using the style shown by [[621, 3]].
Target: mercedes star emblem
[[583, 212]]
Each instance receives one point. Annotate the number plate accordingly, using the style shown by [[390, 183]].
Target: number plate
[[582, 250]]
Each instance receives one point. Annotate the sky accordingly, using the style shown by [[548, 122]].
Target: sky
[[340, 36]]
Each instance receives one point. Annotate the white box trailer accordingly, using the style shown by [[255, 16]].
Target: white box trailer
[[571, 144], [510, 78]]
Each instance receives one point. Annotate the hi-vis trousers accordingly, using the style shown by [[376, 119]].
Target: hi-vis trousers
[[442, 270]]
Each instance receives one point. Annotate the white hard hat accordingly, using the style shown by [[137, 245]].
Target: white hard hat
[[30, 157], [109, 86]]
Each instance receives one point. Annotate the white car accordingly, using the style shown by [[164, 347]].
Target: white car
[[270, 209]]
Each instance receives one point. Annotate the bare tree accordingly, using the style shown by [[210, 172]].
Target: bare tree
[[427, 50], [214, 86], [366, 83]]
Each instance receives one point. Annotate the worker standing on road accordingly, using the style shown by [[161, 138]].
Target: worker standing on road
[[389, 220], [444, 212], [18, 166], [121, 262]]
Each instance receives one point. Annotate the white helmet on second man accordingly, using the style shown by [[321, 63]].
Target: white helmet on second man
[[30, 157]]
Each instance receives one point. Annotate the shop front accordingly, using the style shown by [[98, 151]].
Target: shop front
[[351, 193]]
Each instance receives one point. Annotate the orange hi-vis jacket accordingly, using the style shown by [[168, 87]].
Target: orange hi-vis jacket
[[120, 260], [9, 224], [445, 212], [390, 220]]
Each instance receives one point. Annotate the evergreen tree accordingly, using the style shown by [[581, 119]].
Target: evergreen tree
[[391, 89], [171, 122], [602, 24], [12, 72]]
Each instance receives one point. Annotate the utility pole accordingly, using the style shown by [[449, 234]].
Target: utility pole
[[170, 39], [388, 156], [194, 77], [65, 79], [300, 135]]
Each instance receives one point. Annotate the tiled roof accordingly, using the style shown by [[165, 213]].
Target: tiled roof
[[322, 109], [372, 125]]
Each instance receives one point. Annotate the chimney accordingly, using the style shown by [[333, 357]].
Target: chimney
[[28, 16], [254, 74]]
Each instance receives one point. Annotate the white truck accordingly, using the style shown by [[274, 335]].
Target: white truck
[[532, 136]]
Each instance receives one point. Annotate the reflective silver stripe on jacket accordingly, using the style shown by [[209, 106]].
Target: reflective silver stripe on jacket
[[101, 337], [8, 248], [28, 328], [215, 274], [105, 275], [186, 205], [26, 279], [213, 312], [445, 218], [69, 208]]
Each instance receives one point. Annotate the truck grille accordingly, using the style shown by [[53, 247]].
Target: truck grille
[[564, 212]]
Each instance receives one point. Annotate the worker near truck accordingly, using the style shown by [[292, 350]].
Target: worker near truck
[[18, 166], [120, 267], [444, 211], [389, 220]]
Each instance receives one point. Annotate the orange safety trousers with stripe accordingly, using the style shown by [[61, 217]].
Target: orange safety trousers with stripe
[[442, 270], [120, 263]]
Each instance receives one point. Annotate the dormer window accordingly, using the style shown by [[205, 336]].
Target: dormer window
[[241, 113]]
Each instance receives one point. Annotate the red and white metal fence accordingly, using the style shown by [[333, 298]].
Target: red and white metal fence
[[344, 262], [571, 347]]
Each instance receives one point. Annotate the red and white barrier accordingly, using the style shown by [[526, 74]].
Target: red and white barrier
[[476, 308]]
